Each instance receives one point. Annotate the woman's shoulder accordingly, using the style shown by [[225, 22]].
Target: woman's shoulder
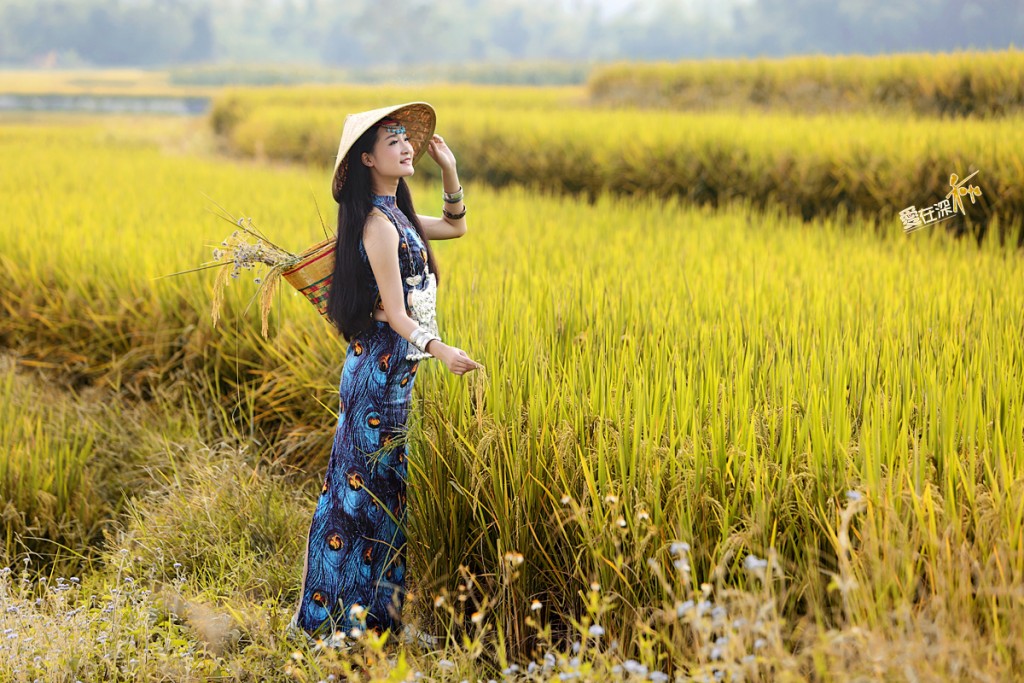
[[378, 227]]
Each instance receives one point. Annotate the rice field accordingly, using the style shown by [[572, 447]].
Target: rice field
[[709, 443], [970, 83], [870, 163]]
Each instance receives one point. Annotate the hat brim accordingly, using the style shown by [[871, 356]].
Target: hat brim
[[418, 118]]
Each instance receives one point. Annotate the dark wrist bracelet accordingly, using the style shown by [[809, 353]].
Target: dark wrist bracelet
[[454, 216]]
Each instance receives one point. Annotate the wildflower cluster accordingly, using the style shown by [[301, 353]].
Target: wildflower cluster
[[245, 249]]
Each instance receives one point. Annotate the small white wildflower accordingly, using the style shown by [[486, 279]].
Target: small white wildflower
[[853, 495], [596, 631], [679, 548], [659, 677], [634, 667], [535, 605], [754, 563], [643, 516], [595, 586], [566, 499], [514, 558], [621, 521], [446, 663], [759, 643], [611, 498], [684, 608]]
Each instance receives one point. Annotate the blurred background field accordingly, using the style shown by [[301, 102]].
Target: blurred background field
[[734, 424]]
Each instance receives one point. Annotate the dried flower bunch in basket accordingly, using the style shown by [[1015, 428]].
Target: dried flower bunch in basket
[[247, 249]]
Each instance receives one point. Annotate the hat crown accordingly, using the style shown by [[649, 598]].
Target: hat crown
[[418, 118]]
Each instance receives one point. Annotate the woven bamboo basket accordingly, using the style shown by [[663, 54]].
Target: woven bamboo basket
[[312, 274]]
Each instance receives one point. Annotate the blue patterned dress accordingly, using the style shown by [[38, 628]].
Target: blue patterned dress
[[356, 547]]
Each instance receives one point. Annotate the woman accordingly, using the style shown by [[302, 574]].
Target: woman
[[382, 301]]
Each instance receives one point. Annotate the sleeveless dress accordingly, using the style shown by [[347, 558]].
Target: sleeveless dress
[[355, 555]]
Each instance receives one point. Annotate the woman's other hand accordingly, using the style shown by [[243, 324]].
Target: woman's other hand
[[455, 359], [439, 152]]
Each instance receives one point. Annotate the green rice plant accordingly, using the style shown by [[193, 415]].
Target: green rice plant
[[71, 462], [47, 491]]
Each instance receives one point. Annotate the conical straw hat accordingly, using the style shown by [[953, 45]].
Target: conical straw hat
[[418, 118]]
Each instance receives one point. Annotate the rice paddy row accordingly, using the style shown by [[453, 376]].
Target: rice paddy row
[[969, 83], [869, 164]]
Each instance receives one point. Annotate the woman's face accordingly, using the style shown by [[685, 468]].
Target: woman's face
[[392, 153]]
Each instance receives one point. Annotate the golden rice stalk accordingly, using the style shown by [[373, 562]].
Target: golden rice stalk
[[218, 293], [266, 291]]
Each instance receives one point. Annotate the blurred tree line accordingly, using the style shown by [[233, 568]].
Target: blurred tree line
[[355, 33]]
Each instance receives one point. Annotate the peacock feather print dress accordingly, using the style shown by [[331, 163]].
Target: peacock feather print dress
[[355, 562]]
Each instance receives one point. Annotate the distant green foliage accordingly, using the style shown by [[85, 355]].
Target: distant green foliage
[[519, 73], [366, 34]]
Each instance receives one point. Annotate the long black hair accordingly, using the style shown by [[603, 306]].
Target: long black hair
[[350, 298]]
